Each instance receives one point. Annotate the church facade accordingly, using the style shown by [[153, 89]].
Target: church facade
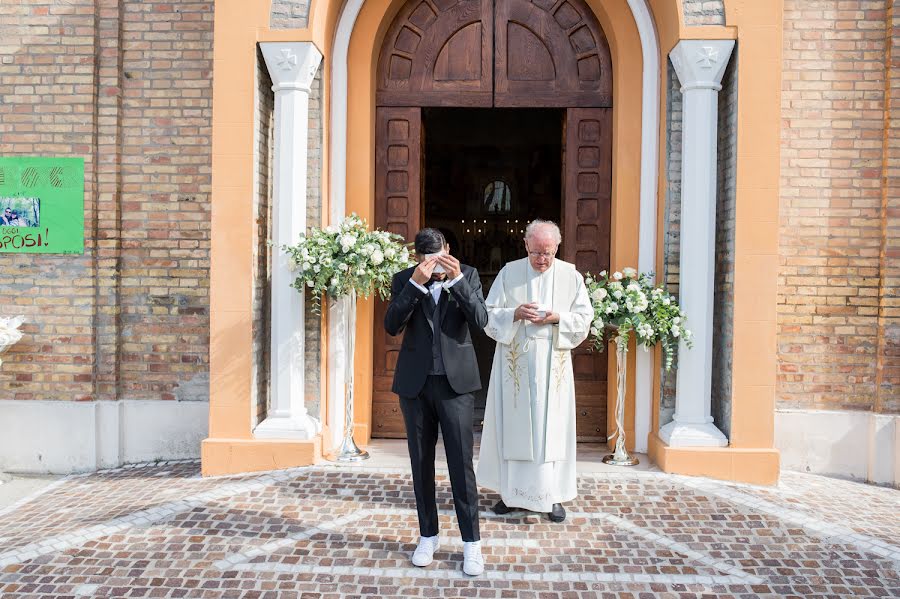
[[745, 152]]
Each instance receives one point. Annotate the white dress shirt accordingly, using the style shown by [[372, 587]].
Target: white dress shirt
[[435, 289]]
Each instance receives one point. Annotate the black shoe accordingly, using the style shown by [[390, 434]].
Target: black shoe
[[501, 508], [558, 513]]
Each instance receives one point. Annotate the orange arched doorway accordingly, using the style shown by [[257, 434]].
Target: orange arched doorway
[[490, 113]]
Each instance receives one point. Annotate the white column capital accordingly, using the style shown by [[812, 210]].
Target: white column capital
[[700, 64], [291, 65]]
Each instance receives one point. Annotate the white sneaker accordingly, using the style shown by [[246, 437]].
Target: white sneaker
[[424, 553], [473, 561]]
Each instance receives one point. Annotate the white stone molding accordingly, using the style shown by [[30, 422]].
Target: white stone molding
[[292, 67], [650, 100], [700, 65]]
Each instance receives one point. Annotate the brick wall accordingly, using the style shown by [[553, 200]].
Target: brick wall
[[316, 137], [264, 139], [888, 375], [289, 14], [671, 249], [837, 308], [726, 193], [128, 87], [704, 12]]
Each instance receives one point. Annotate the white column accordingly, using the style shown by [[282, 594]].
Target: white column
[[700, 66], [292, 67]]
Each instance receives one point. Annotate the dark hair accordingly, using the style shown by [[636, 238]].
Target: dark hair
[[429, 241]]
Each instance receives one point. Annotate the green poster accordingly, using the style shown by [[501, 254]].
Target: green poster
[[42, 205]]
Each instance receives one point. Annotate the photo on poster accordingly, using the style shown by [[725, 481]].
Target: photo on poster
[[41, 204], [20, 212]]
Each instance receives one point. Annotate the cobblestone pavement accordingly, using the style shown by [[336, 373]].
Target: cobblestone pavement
[[162, 531]]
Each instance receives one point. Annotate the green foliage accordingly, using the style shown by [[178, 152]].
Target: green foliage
[[345, 258], [627, 301]]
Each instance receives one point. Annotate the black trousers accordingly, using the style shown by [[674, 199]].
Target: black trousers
[[439, 405]]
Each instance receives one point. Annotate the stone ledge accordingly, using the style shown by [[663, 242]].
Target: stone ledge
[[755, 466], [235, 456]]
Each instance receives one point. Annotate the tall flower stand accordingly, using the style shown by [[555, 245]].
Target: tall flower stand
[[620, 457], [348, 450]]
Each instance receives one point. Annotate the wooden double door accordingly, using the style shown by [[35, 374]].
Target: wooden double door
[[500, 54]]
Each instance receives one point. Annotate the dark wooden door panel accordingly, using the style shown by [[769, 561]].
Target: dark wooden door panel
[[398, 208], [550, 53], [438, 53], [586, 236]]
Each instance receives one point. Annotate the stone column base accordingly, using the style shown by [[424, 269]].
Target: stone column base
[[747, 465], [680, 434], [234, 456]]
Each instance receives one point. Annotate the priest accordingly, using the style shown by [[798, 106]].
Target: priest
[[538, 311]]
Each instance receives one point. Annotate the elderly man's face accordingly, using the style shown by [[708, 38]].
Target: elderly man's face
[[541, 248]]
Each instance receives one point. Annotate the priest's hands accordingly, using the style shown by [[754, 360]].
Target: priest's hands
[[531, 313], [551, 318], [422, 273]]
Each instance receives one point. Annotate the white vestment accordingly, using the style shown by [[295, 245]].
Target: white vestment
[[528, 444]]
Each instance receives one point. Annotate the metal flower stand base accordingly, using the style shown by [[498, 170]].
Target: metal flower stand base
[[620, 457], [348, 451]]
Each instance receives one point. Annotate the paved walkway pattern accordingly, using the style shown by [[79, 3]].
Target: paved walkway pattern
[[162, 531]]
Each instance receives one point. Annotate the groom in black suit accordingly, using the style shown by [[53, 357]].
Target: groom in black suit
[[438, 305]]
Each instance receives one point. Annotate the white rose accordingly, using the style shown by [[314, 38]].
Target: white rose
[[666, 301], [334, 282], [595, 331], [348, 240], [598, 323], [323, 241], [310, 284], [361, 270], [390, 253], [599, 294], [629, 272], [331, 229], [377, 257], [602, 274], [317, 268], [676, 331], [617, 294], [677, 320], [617, 276], [306, 266], [633, 287], [343, 267]]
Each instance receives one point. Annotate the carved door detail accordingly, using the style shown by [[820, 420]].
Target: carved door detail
[[398, 184], [438, 53], [550, 53], [586, 232]]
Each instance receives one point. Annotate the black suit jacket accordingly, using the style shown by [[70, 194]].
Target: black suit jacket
[[463, 311]]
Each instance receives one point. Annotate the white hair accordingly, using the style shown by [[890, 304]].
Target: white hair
[[532, 229]]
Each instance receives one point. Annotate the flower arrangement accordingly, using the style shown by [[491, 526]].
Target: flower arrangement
[[627, 301], [9, 332], [345, 258]]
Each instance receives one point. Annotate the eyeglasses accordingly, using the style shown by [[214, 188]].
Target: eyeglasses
[[547, 255]]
